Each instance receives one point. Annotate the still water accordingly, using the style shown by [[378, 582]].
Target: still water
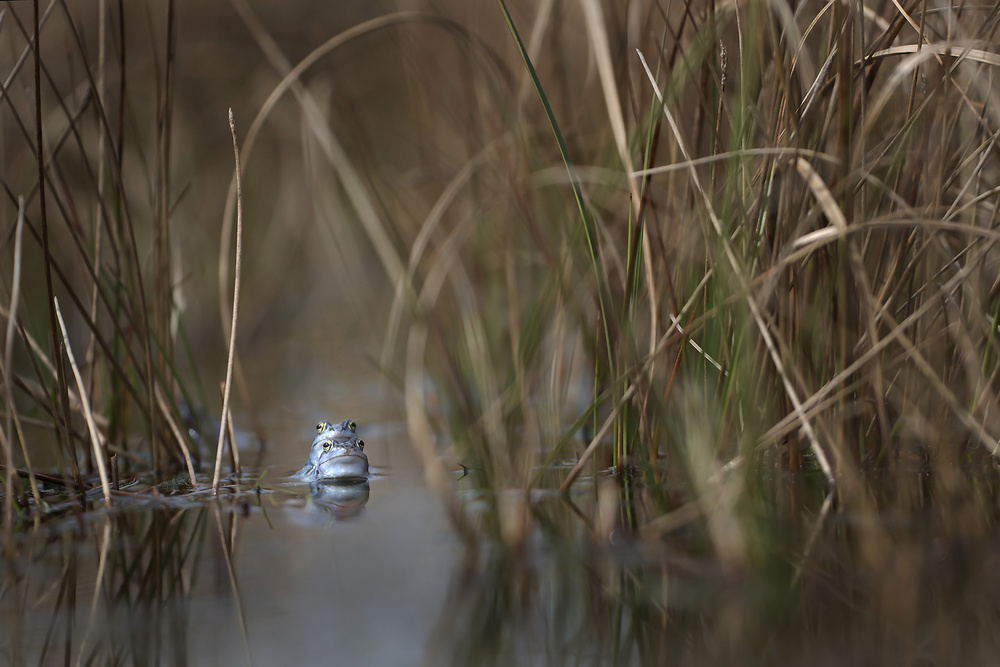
[[360, 575], [375, 574], [285, 578]]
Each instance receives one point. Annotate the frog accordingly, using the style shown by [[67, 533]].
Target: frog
[[336, 455]]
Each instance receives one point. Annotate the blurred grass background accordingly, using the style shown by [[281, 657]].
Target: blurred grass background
[[774, 261]]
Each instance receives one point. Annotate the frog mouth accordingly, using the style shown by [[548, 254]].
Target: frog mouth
[[341, 453], [342, 463]]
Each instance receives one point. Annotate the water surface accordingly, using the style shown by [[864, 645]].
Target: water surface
[[375, 574]]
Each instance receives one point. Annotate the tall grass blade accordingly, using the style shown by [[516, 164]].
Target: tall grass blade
[[589, 229], [597, 28]]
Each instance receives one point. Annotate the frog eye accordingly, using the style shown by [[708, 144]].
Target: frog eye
[[361, 444], [351, 425], [327, 445], [320, 427]]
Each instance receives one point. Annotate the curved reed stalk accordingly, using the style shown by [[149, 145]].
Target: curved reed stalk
[[227, 388]]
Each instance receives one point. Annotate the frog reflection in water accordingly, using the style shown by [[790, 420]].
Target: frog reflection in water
[[337, 454]]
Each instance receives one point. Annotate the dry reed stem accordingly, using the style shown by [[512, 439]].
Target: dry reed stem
[[827, 235], [234, 456], [8, 486], [43, 358], [12, 414], [141, 321], [181, 442], [824, 397], [5, 434], [790, 151], [861, 279], [990, 442], [806, 245], [813, 241], [419, 426], [102, 20], [62, 425], [227, 389], [352, 183], [419, 246], [592, 447], [95, 440], [164, 293], [744, 285], [937, 50], [597, 27]]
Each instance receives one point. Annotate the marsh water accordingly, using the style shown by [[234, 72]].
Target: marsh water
[[275, 572]]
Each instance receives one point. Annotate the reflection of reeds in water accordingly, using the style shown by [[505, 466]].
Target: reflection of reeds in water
[[146, 586], [858, 594], [117, 594]]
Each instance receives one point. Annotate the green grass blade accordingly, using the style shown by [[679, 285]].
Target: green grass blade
[[585, 217]]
